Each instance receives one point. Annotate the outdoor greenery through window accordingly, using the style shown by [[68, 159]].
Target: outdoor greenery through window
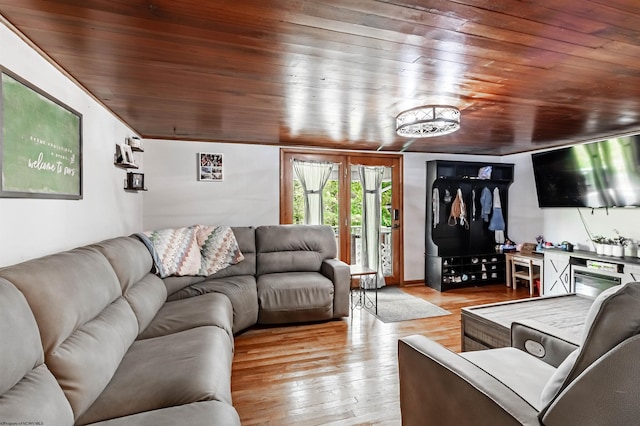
[[330, 200]]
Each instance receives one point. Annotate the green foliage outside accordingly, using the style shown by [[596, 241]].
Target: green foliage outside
[[330, 200]]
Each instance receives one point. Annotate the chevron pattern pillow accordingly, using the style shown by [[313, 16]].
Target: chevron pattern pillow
[[218, 247]]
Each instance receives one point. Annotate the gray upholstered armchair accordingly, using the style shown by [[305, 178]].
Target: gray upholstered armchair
[[532, 382]]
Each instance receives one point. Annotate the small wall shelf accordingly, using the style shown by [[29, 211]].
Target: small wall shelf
[[126, 165], [123, 158]]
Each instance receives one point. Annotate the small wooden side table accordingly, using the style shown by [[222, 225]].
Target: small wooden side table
[[359, 292]]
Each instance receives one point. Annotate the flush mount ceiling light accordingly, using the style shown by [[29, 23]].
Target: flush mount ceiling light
[[428, 121]]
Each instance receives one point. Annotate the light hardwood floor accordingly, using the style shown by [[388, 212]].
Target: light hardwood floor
[[340, 372]]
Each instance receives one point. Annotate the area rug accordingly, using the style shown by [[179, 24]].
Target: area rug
[[395, 305]]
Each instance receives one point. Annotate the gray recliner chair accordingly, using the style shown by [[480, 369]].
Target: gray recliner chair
[[533, 382]]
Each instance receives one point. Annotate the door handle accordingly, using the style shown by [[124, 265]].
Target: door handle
[[395, 226]]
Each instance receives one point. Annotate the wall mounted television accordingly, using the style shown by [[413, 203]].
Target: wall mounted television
[[598, 174]]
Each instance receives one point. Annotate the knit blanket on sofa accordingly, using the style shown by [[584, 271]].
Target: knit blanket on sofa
[[194, 250]]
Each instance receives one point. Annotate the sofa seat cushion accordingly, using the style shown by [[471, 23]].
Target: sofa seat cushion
[[210, 309], [175, 284], [524, 374], [294, 297], [241, 290], [181, 368], [204, 413]]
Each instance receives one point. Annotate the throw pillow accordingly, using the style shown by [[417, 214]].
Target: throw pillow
[[218, 247], [177, 249]]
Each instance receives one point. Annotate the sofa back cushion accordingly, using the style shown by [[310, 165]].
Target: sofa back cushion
[[132, 263], [293, 248], [28, 390], [613, 318], [86, 326]]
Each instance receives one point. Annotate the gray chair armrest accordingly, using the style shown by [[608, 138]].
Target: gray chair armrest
[[338, 272], [542, 341], [440, 387]]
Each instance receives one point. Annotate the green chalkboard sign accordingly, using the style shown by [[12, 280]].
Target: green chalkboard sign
[[41, 143]]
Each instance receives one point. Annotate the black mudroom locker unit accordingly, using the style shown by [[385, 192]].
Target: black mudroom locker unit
[[460, 245]]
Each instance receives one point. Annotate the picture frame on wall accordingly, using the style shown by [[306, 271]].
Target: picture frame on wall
[[210, 167], [40, 143], [127, 154], [135, 181]]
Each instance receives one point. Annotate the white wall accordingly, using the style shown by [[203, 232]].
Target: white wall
[[248, 195], [31, 228], [526, 220], [567, 224]]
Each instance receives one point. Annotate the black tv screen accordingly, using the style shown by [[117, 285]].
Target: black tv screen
[[599, 174]]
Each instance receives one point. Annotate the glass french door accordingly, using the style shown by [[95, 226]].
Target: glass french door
[[342, 200]]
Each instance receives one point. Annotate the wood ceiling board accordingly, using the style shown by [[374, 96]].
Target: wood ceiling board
[[335, 74]]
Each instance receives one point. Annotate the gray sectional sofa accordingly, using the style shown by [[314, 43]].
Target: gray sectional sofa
[[92, 336]]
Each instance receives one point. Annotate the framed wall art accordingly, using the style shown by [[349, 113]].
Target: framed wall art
[[135, 181], [41, 143], [210, 167]]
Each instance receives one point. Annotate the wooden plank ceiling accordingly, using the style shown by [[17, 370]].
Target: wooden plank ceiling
[[526, 75]]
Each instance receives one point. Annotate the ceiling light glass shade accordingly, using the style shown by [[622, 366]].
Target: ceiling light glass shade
[[428, 121]]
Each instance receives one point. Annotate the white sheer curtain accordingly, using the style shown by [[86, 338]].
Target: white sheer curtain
[[371, 180], [313, 177]]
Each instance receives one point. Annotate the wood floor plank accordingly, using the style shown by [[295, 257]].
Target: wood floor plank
[[342, 372]]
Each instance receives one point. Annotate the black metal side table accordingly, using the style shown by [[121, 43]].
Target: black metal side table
[[359, 293]]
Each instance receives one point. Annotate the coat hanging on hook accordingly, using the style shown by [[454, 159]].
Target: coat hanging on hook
[[497, 220], [458, 211], [435, 206], [485, 203]]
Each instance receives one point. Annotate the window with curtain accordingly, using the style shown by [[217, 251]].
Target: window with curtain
[[313, 177], [371, 180]]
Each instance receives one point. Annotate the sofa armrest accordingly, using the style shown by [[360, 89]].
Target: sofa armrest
[[542, 341], [440, 387], [338, 272]]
